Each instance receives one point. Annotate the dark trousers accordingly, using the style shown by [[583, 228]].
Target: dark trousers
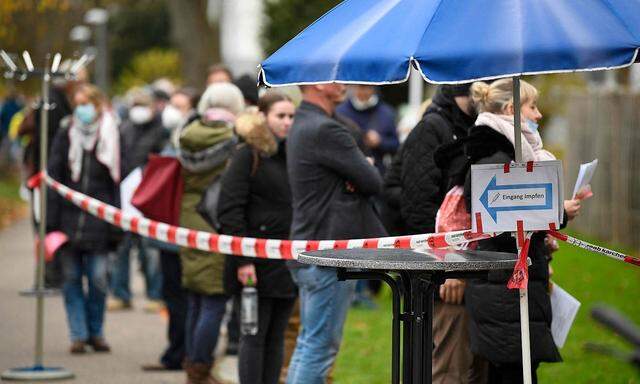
[[510, 373], [53, 274], [204, 315], [233, 326], [175, 298], [260, 356]]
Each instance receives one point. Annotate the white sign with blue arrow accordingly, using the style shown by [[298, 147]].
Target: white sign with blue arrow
[[501, 197]]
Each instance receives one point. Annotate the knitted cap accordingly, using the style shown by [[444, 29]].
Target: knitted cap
[[456, 90]]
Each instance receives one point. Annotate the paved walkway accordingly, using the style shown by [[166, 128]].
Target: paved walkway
[[136, 337]]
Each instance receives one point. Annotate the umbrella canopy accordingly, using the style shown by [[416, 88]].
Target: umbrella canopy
[[450, 41]]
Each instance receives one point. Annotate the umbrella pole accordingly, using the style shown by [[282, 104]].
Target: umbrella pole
[[524, 294], [516, 119]]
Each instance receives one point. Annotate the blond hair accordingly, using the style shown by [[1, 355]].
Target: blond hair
[[498, 96]]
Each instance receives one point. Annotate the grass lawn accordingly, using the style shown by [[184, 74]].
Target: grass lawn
[[9, 185], [365, 355]]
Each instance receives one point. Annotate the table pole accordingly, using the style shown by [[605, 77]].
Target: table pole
[[422, 335], [407, 323], [395, 328]]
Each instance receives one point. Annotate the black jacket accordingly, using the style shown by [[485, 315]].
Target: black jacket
[[321, 157], [255, 201], [494, 329], [392, 197], [138, 141], [423, 185], [85, 231]]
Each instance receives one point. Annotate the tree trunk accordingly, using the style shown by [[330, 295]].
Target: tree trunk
[[197, 41]]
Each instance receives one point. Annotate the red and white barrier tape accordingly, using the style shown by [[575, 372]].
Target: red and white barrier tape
[[246, 246], [595, 248]]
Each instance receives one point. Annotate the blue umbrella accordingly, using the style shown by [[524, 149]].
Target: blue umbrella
[[458, 41], [450, 41]]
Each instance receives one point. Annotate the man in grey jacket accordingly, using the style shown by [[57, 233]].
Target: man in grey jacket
[[331, 183]]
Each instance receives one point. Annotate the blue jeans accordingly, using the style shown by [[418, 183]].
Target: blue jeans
[[324, 302], [204, 316], [149, 259], [85, 312]]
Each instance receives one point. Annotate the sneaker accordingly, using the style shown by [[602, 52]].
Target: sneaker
[[154, 306], [115, 304], [99, 344], [78, 348]]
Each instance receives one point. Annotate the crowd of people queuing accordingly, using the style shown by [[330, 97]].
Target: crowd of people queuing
[[331, 167]]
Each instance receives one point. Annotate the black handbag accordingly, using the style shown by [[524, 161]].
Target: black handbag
[[208, 205]]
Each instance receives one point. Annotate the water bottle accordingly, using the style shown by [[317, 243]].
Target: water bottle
[[249, 309]]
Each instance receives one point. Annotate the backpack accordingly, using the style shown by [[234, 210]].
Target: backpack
[[208, 205]]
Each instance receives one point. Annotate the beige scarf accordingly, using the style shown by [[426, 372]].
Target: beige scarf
[[535, 141], [531, 142], [103, 135]]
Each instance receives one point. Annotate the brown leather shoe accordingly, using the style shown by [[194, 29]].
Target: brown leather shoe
[[200, 373], [99, 344], [78, 348]]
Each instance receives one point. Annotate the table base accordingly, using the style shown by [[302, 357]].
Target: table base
[[416, 290]]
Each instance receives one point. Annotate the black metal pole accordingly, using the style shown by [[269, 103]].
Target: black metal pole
[[407, 327], [395, 327], [44, 131], [38, 371]]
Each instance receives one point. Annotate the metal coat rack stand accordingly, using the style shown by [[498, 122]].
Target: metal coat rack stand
[[38, 371]]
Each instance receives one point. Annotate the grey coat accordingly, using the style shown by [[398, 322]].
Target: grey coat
[[322, 156]]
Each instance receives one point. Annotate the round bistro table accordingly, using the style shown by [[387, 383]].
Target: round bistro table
[[414, 276]]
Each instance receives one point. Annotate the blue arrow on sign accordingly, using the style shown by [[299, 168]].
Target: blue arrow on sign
[[493, 186]]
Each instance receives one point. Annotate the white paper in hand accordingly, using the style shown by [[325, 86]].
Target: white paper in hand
[[564, 308], [127, 189], [584, 178]]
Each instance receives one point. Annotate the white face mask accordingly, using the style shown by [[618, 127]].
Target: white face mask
[[140, 114], [362, 105], [171, 117]]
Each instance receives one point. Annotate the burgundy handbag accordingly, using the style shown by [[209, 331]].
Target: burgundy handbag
[[159, 194]]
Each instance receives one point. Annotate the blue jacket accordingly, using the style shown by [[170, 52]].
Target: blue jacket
[[380, 118], [10, 107]]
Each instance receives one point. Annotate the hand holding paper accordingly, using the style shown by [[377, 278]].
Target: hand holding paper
[[572, 207]]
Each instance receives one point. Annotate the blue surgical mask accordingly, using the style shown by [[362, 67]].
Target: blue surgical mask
[[532, 126], [86, 113]]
